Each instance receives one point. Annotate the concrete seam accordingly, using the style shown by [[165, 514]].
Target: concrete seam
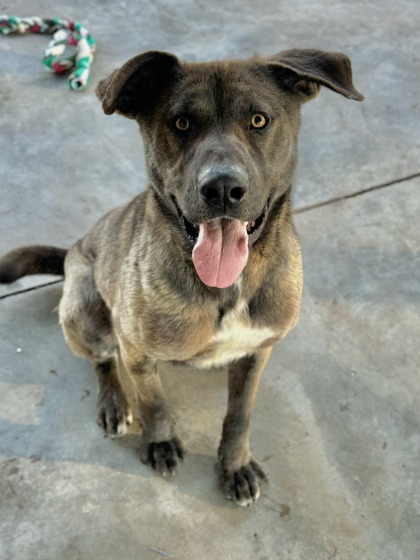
[[5, 296], [357, 193]]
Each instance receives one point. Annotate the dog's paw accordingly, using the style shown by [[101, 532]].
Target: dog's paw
[[243, 484], [113, 413], [164, 457]]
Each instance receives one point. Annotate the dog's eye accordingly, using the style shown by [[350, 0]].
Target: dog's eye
[[182, 124], [259, 121]]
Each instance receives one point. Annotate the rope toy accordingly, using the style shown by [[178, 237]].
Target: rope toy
[[65, 34]]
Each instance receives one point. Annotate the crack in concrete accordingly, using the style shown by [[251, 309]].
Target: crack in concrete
[[357, 193], [296, 211]]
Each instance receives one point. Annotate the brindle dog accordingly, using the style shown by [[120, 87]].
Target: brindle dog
[[204, 267]]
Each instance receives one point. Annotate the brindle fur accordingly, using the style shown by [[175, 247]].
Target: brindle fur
[[131, 294]]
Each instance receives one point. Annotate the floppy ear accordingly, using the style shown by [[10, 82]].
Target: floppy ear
[[138, 85], [303, 71]]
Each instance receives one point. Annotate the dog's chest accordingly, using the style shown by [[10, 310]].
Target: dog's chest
[[234, 338]]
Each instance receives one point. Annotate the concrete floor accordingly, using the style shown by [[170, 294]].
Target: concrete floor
[[337, 420]]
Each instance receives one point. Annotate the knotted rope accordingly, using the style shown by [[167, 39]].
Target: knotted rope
[[58, 57]]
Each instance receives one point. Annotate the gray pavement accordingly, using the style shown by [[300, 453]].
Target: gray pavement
[[337, 419]]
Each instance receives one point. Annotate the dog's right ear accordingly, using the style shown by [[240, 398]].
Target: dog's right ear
[[138, 85]]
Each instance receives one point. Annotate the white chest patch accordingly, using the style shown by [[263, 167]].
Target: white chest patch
[[234, 339]]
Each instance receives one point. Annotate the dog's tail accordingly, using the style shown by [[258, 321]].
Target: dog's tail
[[34, 259]]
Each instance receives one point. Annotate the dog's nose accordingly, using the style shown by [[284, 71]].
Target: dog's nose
[[223, 191]]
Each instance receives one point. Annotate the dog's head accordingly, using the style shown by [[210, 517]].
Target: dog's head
[[221, 140]]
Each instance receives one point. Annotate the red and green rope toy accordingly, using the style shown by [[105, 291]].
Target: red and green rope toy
[[70, 35]]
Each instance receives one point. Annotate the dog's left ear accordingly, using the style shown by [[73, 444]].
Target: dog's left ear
[[138, 85], [303, 71]]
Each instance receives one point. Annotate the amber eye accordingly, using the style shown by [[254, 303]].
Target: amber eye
[[182, 124], [259, 121]]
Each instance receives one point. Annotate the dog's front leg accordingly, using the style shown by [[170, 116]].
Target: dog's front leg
[[161, 449], [239, 473]]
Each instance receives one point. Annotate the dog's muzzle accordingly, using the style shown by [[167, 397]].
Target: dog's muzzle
[[226, 230]]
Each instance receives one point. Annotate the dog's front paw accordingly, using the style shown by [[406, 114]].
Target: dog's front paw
[[113, 413], [242, 485], [164, 456]]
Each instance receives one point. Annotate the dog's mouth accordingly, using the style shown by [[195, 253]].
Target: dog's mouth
[[252, 226], [221, 246]]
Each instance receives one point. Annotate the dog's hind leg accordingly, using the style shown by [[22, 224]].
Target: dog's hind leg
[[113, 411], [87, 327]]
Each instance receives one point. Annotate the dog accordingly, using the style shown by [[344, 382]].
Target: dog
[[203, 267]]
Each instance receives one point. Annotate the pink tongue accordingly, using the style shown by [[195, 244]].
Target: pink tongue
[[221, 252]]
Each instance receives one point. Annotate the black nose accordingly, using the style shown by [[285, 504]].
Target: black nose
[[223, 191]]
